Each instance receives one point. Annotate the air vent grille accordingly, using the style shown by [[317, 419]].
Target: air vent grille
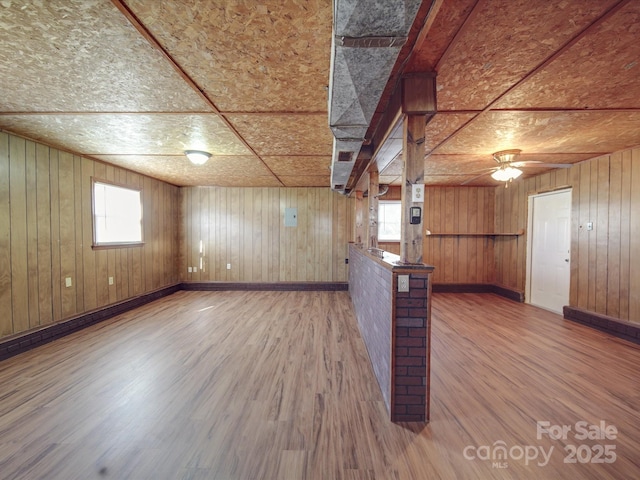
[[345, 156]]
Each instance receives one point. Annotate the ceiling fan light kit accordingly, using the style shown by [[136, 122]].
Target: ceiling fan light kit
[[507, 156], [506, 174], [197, 157]]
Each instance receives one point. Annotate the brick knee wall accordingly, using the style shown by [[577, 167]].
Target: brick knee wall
[[395, 327], [410, 401]]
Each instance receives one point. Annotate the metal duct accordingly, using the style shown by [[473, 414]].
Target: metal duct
[[367, 37]]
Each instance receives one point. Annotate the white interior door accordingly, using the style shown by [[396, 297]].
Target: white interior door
[[550, 245]]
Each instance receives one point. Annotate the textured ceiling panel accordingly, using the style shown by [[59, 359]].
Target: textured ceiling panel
[[248, 56], [504, 40], [285, 134], [305, 181], [127, 133], [298, 166], [179, 171], [445, 26], [81, 56], [548, 132], [474, 164], [77, 75], [559, 85], [442, 125]]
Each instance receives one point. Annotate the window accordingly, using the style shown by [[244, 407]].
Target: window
[[389, 216], [117, 215]]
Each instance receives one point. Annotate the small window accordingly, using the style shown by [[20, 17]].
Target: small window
[[389, 224], [117, 215]]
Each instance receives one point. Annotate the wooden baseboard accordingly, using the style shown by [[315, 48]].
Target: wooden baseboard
[[478, 288], [16, 344], [614, 326], [268, 286]]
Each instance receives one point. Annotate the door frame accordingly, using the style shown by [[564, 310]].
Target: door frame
[[531, 196]]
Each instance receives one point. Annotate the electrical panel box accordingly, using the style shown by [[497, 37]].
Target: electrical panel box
[[291, 217]]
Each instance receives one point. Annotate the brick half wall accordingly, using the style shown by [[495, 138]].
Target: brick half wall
[[395, 327]]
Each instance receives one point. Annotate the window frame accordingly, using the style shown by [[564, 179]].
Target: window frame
[[383, 202], [96, 245]]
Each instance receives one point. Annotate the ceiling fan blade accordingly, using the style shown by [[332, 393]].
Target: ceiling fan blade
[[524, 162], [466, 182], [485, 170], [542, 164]]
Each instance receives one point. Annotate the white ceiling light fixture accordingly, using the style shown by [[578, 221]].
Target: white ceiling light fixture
[[197, 157], [506, 174]]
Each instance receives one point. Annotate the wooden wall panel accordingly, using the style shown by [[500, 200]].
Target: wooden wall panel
[[32, 234], [606, 192], [18, 229], [634, 234], [46, 235], [43, 207], [459, 258], [6, 304], [244, 227]]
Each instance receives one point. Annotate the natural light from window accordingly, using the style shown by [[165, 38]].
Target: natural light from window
[[117, 214], [389, 215]]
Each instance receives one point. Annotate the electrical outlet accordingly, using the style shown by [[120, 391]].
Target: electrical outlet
[[67, 282], [403, 283], [110, 280], [195, 269], [189, 269], [228, 266]]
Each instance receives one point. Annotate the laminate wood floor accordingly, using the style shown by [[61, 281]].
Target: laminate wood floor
[[277, 385]]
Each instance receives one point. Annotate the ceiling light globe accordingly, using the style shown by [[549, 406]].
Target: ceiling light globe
[[506, 174], [197, 157]]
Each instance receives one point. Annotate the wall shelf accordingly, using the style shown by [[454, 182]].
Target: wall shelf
[[463, 234]]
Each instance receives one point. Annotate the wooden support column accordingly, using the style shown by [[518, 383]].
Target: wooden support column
[[361, 230], [412, 175], [372, 230], [418, 107]]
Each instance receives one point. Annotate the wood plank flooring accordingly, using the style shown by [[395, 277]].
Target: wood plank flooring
[[277, 385]]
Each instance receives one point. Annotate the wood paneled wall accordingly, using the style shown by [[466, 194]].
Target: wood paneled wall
[[244, 227], [459, 258], [605, 191], [46, 236]]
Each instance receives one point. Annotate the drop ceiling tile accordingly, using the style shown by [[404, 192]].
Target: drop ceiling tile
[[248, 56], [285, 135], [502, 42], [178, 170], [306, 180], [442, 126], [126, 134], [83, 56], [588, 75], [297, 166], [547, 132]]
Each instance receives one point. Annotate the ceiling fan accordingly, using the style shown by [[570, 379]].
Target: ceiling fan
[[508, 168]]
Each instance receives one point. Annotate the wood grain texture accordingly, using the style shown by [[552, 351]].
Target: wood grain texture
[[267, 385], [6, 302], [46, 233], [460, 259], [605, 188], [244, 227]]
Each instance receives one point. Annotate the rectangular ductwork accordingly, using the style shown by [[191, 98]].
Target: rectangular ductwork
[[367, 37]]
